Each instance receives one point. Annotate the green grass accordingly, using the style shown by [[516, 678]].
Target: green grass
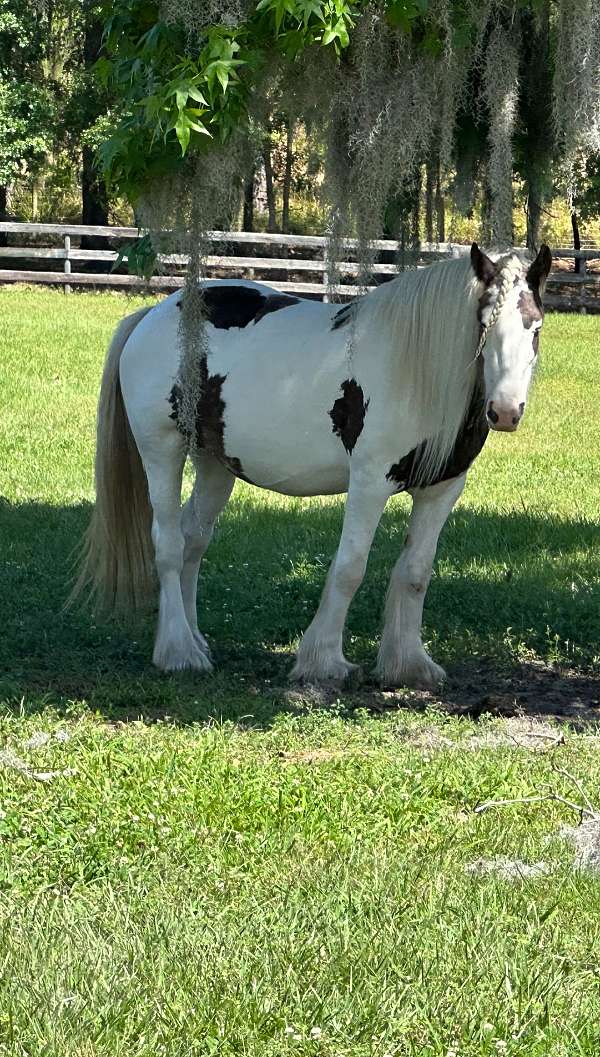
[[245, 872]]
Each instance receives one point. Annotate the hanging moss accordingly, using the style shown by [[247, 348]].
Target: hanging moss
[[576, 86], [392, 100], [501, 88]]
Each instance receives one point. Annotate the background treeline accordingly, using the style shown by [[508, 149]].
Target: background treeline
[[56, 107]]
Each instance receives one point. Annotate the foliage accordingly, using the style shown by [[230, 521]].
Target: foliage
[[438, 82], [26, 112], [584, 180], [205, 93]]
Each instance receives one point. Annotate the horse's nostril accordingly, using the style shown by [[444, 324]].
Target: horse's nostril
[[493, 417], [522, 407]]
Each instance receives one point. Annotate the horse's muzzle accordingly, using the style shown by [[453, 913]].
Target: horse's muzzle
[[504, 417]]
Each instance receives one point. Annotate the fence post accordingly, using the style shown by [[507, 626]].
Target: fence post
[[325, 276], [67, 262]]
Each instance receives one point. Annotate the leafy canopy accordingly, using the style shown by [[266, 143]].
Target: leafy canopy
[[181, 91]]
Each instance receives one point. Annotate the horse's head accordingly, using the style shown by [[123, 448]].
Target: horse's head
[[510, 318]]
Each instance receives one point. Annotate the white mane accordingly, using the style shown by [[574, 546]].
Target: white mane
[[430, 317]]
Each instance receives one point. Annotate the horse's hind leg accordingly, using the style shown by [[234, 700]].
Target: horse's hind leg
[[175, 646], [212, 489], [403, 659]]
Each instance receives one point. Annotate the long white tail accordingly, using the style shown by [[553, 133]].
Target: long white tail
[[117, 564]]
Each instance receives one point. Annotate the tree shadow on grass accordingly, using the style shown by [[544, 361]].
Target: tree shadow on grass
[[512, 594]]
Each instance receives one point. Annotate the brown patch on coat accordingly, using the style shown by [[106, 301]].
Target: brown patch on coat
[[530, 307], [488, 295], [209, 422], [348, 414]]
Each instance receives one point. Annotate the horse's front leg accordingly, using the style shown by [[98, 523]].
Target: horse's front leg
[[320, 655], [403, 660]]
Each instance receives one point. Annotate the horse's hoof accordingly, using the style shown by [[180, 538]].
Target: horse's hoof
[[324, 671], [181, 657], [418, 673]]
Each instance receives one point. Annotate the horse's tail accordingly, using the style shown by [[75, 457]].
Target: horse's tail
[[117, 560]]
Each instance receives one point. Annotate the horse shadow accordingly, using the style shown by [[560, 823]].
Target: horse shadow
[[513, 612]]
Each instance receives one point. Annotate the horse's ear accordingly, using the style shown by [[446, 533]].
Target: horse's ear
[[537, 273], [484, 268]]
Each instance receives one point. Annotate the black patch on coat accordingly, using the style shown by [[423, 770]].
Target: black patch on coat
[[210, 408], [236, 468], [343, 316], [469, 441], [348, 413], [209, 423], [231, 306], [274, 303], [237, 306], [530, 307], [174, 399]]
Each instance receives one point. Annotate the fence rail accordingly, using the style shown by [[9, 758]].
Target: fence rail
[[297, 268]]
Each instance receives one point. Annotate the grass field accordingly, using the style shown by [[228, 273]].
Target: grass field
[[194, 865]]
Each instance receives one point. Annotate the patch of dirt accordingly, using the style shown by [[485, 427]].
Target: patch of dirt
[[533, 690], [521, 733], [530, 691], [310, 756], [508, 869], [585, 840]]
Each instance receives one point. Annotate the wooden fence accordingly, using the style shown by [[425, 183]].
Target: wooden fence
[[56, 258]]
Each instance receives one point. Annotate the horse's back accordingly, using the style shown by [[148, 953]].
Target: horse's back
[[275, 365]]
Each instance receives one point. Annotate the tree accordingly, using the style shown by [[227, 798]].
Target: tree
[[86, 119], [27, 100], [494, 88]]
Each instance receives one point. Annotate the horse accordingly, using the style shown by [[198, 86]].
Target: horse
[[394, 391]]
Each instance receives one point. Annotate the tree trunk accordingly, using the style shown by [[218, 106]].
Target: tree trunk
[[287, 176], [536, 117], [576, 241], [429, 182], [248, 213], [272, 222], [440, 206], [535, 194], [94, 200]]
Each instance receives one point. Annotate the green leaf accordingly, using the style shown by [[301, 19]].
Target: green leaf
[[182, 131], [140, 256]]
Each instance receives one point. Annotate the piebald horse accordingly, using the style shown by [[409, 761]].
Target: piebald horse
[[395, 391]]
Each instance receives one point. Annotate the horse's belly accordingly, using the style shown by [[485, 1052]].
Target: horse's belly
[[283, 441]]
